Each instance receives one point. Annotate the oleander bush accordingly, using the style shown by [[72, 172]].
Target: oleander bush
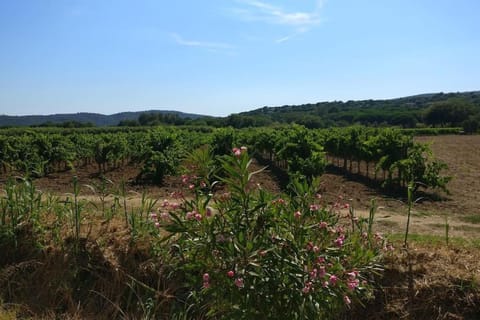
[[243, 253]]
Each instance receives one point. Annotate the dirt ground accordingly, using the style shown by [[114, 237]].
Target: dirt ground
[[460, 209]]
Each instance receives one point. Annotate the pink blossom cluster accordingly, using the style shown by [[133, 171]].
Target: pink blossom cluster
[[352, 280], [156, 218], [339, 241], [237, 152], [170, 205], [206, 280], [194, 214], [279, 201]]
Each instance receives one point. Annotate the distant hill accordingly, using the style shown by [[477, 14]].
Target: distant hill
[[85, 117], [405, 112]]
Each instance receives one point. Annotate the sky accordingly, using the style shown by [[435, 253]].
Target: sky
[[219, 57]]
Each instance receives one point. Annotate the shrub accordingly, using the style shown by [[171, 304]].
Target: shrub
[[246, 254]]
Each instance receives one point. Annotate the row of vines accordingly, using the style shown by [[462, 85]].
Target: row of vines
[[294, 149]]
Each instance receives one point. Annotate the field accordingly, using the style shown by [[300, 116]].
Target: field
[[461, 206], [431, 281]]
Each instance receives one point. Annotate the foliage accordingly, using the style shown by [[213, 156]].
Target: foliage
[[451, 112], [162, 156], [246, 254]]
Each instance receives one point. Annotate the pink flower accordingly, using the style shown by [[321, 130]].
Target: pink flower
[[313, 273], [339, 241], [352, 275], [176, 194], [353, 284], [208, 212], [278, 201], [314, 207], [316, 249], [262, 253], [191, 186], [237, 152], [153, 216], [164, 216], [174, 206], [309, 246], [243, 149], [323, 225], [189, 215], [320, 260], [206, 285], [165, 203], [346, 206], [333, 279], [297, 214], [321, 272], [206, 277], [231, 274], [239, 282], [347, 300], [308, 286], [184, 179], [203, 184], [197, 216], [157, 224]]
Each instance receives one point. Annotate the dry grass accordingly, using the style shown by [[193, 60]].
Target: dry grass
[[428, 282], [82, 280]]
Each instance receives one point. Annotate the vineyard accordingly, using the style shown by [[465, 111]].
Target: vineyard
[[246, 229], [293, 149]]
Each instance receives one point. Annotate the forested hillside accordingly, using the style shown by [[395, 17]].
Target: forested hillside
[[440, 109], [426, 110], [73, 119]]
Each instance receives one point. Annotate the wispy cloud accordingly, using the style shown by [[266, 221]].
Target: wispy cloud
[[298, 21], [202, 44]]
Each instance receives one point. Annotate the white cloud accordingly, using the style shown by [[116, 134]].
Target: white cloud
[[202, 44], [298, 21]]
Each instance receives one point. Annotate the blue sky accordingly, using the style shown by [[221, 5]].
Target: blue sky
[[219, 57]]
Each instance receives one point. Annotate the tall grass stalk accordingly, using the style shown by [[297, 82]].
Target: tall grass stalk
[[371, 216], [409, 212], [76, 208], [447, 229], [123, 194]]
